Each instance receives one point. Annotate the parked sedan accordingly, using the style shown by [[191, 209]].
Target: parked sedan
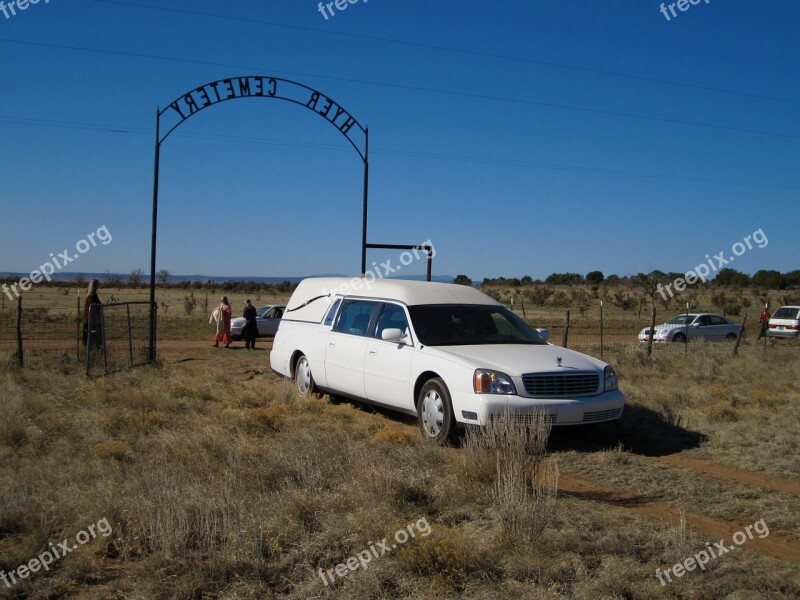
[[706, 326], [785, 322], [267, 317]]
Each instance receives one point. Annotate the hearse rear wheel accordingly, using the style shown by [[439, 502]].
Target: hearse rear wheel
[[303, 379]]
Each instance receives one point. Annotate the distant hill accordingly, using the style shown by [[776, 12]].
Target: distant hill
[[66, 276]]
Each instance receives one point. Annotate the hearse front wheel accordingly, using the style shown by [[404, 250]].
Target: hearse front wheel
[[435, 412], [303, 379]]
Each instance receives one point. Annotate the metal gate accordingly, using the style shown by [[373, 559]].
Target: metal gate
[[118, 336]]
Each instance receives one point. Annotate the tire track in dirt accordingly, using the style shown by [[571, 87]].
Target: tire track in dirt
[[777, 483], [777, 544]]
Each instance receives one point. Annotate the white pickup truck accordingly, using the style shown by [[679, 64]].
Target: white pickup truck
[[446, 353]]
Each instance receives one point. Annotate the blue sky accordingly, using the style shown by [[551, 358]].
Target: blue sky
[[522, 138]]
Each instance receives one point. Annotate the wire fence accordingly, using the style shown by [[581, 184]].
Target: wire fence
[[117, 336], [50, 336], [38, 335], [599, 337]]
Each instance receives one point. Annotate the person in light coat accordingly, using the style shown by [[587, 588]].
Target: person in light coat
[[222, 315]]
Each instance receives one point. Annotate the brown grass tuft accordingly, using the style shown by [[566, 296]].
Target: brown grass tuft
[[114, 449]]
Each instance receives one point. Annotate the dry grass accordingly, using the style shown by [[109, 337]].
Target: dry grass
[[222, 485]]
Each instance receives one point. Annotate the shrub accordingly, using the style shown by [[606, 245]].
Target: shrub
[[189, 303], [722, 412], [114, 449], [272, 417], [511, 456], [445, 551], [391, 435], [538, 295]]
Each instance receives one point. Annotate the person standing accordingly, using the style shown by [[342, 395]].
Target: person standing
[[91, 298], [764, 319], [224, 324], [250, 331]]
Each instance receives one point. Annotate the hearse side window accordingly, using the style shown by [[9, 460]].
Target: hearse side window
[[355, 317], [392, 317], [332, 313]]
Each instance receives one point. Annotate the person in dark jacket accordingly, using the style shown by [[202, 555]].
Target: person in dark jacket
[[250, 331]]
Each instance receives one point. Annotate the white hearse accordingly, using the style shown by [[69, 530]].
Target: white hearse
[[446, 353]]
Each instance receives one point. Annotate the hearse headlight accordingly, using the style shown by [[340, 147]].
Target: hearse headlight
[[486, 381], [611, 379]]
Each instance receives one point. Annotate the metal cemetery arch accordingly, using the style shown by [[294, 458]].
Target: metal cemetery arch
[[257, 86]]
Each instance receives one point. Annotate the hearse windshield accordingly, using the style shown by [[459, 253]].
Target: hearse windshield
[[468, 325]]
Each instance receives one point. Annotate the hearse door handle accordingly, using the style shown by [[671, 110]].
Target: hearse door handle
[[373, 352]]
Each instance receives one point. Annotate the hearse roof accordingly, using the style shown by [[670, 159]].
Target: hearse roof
[[316, 294]]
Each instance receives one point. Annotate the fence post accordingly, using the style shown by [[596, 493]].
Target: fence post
[[601, 329], [103, 337], [78, 331], [566, 329], [686, 332], [739, 337], [19, 331], [652, 330], [522, 303], [130, 339]]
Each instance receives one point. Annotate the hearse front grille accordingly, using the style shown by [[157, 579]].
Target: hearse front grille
[[527, 419], [602, 415], [561, 385]]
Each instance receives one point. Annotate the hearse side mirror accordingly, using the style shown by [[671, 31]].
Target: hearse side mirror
[[544, 333], [393, 334]]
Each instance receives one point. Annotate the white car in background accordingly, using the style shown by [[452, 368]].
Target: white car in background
[[267, 317], [785, 322], [706, 326], [448, 354]]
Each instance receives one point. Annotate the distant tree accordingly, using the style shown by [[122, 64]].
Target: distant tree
[[650, 285], [135, 278], [80, 280], [462, 280], [526, 280], [163, 276], [595, 277], [565, 279], [768, 279], [732, 277], [112, 279], [613, 280], [791, 279]]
